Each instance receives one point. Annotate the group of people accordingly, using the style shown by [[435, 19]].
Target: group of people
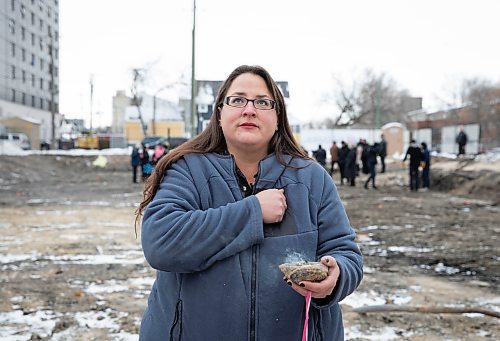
[[420, 160], [353, 159], [141, 159]]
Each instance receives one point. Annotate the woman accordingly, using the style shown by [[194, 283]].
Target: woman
[[224, 209]]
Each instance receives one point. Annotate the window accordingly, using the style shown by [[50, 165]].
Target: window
[[23, 33], [33, 83], [23, 54], [23, 98], [33, 101], [41, 83], [13, 49], [41, 44], [33, 59], [41, 103], [13, 71], [41, 24], [32, 18], [41, 64], [13, 5], [23, 11], [32, 39], [13, 95], [23, 73]]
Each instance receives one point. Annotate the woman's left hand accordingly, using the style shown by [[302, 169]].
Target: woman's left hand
[[325, 287]]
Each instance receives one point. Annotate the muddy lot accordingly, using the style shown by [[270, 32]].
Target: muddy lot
[[72, 267]]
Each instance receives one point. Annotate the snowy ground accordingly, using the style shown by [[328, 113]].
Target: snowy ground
[[72, 267]]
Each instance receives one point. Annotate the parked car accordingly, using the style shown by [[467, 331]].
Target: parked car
[[19, 139], [151, 141]]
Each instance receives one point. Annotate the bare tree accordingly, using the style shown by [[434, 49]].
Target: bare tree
[[137, 82], [373, 98]]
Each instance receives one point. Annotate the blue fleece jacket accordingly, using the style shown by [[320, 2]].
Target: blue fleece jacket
[[217, 263]]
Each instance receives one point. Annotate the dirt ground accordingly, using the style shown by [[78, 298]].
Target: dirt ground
[[72, 267]]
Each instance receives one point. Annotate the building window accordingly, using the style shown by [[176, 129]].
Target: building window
[[41, 24], [41, 44], [41, 83], [33, 101], [41, 64], [49, 30], [32, 39], [23, 33], [23, 11], [13, 5], [23, 54], [33, 59], [41, 103], [49, 12], [13, 49], [56, 33], [23, 98], [33, 81], [12, 26], [13, 71], [23, 73], [32, 18], [13, 95]]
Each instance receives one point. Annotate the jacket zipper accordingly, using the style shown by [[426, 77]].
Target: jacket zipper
[[253, 293], [253, 278]]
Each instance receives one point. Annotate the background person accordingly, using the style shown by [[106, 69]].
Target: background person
[[426, 166], [135, 162], [382, 152], [334, 154], [415, 155], [320, 155], [223, 210], [461, 140]]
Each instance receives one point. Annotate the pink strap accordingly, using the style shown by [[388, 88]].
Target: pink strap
[[308, 303]]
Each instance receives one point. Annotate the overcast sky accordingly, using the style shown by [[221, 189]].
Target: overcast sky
[[426, 46]]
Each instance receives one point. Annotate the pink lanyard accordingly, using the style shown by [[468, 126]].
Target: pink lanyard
[[308, 303]]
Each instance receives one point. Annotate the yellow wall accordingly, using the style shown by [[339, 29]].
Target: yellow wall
[[133, 130], [161, 129]]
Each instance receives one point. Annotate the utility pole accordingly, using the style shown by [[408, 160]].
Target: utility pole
[[377, 104], [52, 94], [91, 97], [194, 116]]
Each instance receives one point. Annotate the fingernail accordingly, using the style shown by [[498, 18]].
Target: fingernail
[[289, 283], [302, 285], [327, 260]]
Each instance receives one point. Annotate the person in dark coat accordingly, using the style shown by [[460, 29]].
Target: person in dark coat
[[135, 161], [461, 141], [350, 166], [371, 161], [382, 152], [343, 151], [426, 163], [415, 155], [146, 166], [320, 156]]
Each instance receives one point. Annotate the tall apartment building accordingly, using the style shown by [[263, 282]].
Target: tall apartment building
[[29, 61]]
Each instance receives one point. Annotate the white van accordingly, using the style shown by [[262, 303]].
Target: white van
[[19, 139]]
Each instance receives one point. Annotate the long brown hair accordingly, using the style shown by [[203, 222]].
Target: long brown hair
[[212, 138]]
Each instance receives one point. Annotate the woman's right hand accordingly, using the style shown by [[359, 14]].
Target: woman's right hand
[[272, 204]]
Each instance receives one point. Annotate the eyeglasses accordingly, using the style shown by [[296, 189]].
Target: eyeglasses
[[258, 103]]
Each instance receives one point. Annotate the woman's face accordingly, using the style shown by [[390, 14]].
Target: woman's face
[[248, 129]]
